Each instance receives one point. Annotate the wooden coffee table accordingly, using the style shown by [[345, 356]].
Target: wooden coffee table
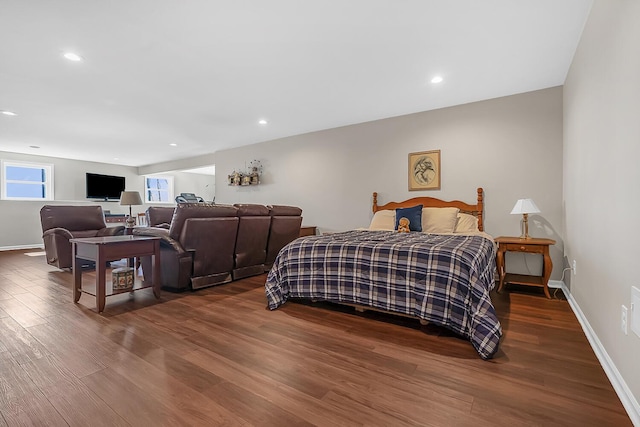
[[113, 248]]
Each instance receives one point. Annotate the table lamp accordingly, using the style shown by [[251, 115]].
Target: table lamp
[[130, 198], [525, 207]]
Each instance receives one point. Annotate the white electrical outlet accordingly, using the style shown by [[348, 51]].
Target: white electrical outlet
[[623, 320], [574, 268]]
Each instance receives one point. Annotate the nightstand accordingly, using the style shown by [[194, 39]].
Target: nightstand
[[310, 230], [532, 246]]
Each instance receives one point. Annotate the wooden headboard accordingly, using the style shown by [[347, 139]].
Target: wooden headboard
[[429, 202]]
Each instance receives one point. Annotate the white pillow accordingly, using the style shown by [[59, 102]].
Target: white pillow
[[466, 224], [383, 220], [439, 220]]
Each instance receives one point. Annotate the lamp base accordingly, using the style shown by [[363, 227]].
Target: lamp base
[[131, 222], [525, 220]]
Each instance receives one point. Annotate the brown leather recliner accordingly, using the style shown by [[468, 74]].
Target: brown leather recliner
[[198, 247], [159, 216], [61, 223], [285, 227], [251, 242]]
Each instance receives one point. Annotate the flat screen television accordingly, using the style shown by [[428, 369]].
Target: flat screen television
[[104, 187]]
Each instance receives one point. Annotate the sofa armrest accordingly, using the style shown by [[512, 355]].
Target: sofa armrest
[[151, 231], [165, 240], [111, 231], [57, 232], [57, 247], [175, 261]]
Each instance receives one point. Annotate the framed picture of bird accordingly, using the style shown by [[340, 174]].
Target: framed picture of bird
[[424, 170]]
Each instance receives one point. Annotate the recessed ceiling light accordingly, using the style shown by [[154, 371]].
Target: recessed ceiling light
[[262, 122], [9, 113], [72, 56], [173, 144], [116, 158], [436, 79]]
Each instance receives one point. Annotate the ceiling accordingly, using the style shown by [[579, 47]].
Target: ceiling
[[200, 74]]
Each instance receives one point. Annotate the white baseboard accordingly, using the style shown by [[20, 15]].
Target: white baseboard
[[19, 247], [619, 385]]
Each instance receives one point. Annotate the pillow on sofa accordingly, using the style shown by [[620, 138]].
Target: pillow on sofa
[[413, 214], [466, 224], [439, 220], [383, 220]]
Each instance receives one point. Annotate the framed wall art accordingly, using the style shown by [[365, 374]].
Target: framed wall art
[[424, 170]]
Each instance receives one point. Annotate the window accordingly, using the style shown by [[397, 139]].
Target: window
[[26, 181], [158, 189]]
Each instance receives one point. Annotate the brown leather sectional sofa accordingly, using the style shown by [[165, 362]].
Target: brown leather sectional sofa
[[208, 244]]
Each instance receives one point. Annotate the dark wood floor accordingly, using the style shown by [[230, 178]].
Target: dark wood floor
[[218, 356]]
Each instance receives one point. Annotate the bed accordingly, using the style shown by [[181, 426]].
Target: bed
[[442, 275]]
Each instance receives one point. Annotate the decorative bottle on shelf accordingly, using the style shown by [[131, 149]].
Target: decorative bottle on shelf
[[254, 177], [255, 170], [236, 178]]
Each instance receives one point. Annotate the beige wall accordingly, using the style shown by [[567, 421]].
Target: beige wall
[[511, 146], [601, 176]]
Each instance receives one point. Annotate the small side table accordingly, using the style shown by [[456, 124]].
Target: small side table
[[532, 246], [112, 248]]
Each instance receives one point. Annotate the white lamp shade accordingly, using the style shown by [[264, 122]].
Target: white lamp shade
[[525, 206], [130, 198]]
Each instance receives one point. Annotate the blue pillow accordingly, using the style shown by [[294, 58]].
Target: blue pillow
[[413, 214]]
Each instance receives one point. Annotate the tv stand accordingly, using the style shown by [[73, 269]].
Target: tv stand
[[115, 218]]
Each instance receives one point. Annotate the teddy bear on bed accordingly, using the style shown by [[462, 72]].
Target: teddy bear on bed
[[403, 225]]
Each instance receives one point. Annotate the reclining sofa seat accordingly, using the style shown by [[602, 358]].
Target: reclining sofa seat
[[251, 242], [198, 247], [159, 216], [62, 223], [285, 228]]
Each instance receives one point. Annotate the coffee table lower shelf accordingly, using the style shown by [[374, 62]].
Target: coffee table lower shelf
[[90, 289]]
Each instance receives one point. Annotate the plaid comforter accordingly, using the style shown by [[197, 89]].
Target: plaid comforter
[[445, 279]]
